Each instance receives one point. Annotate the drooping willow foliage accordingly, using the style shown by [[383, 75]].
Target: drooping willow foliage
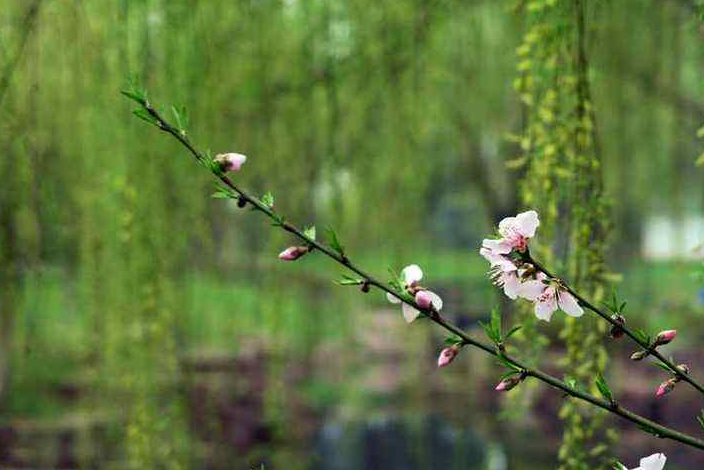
[[564, 180]]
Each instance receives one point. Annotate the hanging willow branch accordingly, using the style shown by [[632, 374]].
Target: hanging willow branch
[[334, 251]]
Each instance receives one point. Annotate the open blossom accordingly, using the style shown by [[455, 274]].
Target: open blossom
[[230, 161], [503, 272], [515, 233], [550, 296], [410, 277], [653, 462]]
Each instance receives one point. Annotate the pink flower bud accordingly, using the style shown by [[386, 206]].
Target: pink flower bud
[[293, 253], [665, 337], [666, 387], [509, 382], [424, 299], [447, 355], [230, 161]]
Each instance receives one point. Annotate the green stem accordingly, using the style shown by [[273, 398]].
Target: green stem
[[614, 408]]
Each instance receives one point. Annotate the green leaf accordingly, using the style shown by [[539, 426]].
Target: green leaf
[[350, 281], [268, 200], [309, 232], [662, 366], [496, 322], [334, 242], [181, 116], [642, 336], [144, 115], [700, 160], [506, 363], [619, 466], [512, 331], [604, 388], [452, 340], [490, 332], [700, 419], [135, 91]]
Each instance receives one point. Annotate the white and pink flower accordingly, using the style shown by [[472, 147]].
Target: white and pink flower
[[516, 232], [503, 272], [548, 296], [230, 161], [410, 278], [653, 462]]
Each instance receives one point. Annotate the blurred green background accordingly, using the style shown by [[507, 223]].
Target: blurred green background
[[145, 325]]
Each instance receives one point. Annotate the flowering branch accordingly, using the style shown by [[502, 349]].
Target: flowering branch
[[680, 372], [422, 302]]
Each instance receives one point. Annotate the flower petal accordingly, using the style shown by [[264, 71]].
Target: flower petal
[[569, 304], [411, 274], [653, 462], [507, 225], [410, 313], [512, 285], [393, 299], [527, 223], [531, 289], [496, 259], [499, 246], [544, 310], [435, 300]]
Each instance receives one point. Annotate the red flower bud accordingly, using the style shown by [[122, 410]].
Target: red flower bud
[[666, 387], [447, 355], [509, 382], [293, 253], [665, 337]]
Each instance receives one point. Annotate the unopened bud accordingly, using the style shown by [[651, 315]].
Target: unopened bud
[[447, 355], [509, 382], [241, 202], [293, 253], [665, 337], [616, 330], [230, 161], [684, 368], [639, 355], [364, 287], [666, 387], [424, 299]]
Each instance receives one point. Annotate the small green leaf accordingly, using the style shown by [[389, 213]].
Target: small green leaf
[[268, 200], [700, 160], [496, 323], [642, 336], [604, 388], [350, 281], [309, 232], [619, 466], [181, 116], [144, 115], [512, 331], [334, 242], [452, 340], [490, 332], [662, 366]]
